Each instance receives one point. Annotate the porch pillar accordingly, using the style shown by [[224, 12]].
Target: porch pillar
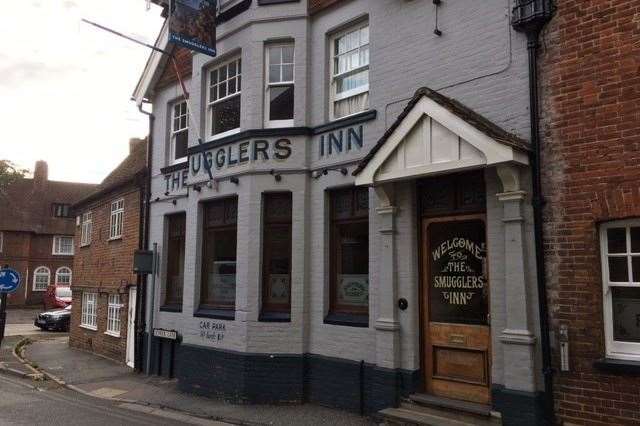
[[517, 339], [386, 324]]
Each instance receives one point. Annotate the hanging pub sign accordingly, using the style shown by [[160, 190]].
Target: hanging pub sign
[[192, 24], [458, 286]]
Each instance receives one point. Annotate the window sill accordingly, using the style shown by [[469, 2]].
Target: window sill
[[619, 366], [39, 290], [62, 254], [223, 314], [115, 238], [85, 245], [171, 308], [112, 334], [89, 327], [274, 317], [223, 134], [350, 320]]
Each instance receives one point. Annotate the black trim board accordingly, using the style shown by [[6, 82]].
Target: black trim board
[[618, 366], [519, 408], [233, 11], [256, 378], [175, 167], [270, 2]]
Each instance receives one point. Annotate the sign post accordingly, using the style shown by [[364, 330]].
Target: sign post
[[9, 282]]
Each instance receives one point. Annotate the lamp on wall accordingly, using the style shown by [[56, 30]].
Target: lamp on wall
[[276, 176], [234, 179], [317, 173]]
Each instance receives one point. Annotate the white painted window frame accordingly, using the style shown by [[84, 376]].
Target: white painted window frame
[[59, 273], [333, 77], [617, 349], [57, 245], [89, 316], [282, 83], [37, 274], [116, 219], [210, 103], [86, 228], [113, 315], [175, 130], [1, 241]]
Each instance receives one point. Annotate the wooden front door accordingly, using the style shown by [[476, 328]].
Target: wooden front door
[[456, 332]]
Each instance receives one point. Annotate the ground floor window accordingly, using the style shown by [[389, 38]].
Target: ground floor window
[[218, 288], [620, 248], [113, 315], [176, 225], [89, 318], [349, 250], [276, 253], [63, 276], [41, 278]]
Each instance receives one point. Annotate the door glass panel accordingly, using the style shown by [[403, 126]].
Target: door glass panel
[[458, 288], [626, 314]]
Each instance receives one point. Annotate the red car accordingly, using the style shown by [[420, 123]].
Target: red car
[[57, 296]]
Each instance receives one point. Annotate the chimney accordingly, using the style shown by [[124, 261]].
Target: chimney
[[40, 174], [133, 143]]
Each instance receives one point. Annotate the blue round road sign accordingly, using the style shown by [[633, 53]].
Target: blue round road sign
[[9, 280]]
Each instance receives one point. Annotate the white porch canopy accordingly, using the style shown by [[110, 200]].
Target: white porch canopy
[[435, 134]]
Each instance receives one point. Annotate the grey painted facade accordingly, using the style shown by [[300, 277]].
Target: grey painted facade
[[481, 62]]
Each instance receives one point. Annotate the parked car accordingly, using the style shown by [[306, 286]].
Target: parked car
[[58, 319], [57, 296]]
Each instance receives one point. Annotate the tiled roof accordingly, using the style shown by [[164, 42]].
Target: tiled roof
[[26, 206], [130, 169], [473, 118]]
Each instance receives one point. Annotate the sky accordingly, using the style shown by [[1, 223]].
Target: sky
[[65, 86]]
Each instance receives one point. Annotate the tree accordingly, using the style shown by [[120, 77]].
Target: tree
[[10, 172]]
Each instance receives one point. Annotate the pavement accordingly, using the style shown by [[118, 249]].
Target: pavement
[[92, 375]]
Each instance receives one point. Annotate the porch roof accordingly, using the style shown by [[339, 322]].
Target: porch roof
[[436, 134]]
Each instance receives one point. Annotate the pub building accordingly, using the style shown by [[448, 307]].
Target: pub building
[[344, 216]]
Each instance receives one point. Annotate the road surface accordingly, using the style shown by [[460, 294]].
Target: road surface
[[24, 402]]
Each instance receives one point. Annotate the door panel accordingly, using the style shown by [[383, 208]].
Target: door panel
[[456, 321]]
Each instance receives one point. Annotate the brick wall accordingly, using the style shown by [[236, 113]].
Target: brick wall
[[96, 340], [591, 109], [25, 252], [105, 267]]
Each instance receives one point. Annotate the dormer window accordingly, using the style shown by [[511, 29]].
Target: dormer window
[[60, 210]]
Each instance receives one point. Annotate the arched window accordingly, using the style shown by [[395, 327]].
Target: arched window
[[41, 277], [63, 276]]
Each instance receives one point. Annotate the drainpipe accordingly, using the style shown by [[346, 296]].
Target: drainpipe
[[530, 17], [141, 298]]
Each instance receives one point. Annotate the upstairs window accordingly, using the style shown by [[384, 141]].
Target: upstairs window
[[350, 71], [620, 250], [62, 245], [86, 227], [61, 210], [179, 132], [349, 248], [117, 217], [279, 86], [218, 291], [223, 98]]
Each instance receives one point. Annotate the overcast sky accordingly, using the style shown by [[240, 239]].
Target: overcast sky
[[66, 86]]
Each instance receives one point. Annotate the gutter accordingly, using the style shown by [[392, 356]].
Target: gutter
[[141, 299], [530, 17]]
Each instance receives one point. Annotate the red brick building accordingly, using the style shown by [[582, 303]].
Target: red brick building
[[109, 230], [590, 91], [36, 232]]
